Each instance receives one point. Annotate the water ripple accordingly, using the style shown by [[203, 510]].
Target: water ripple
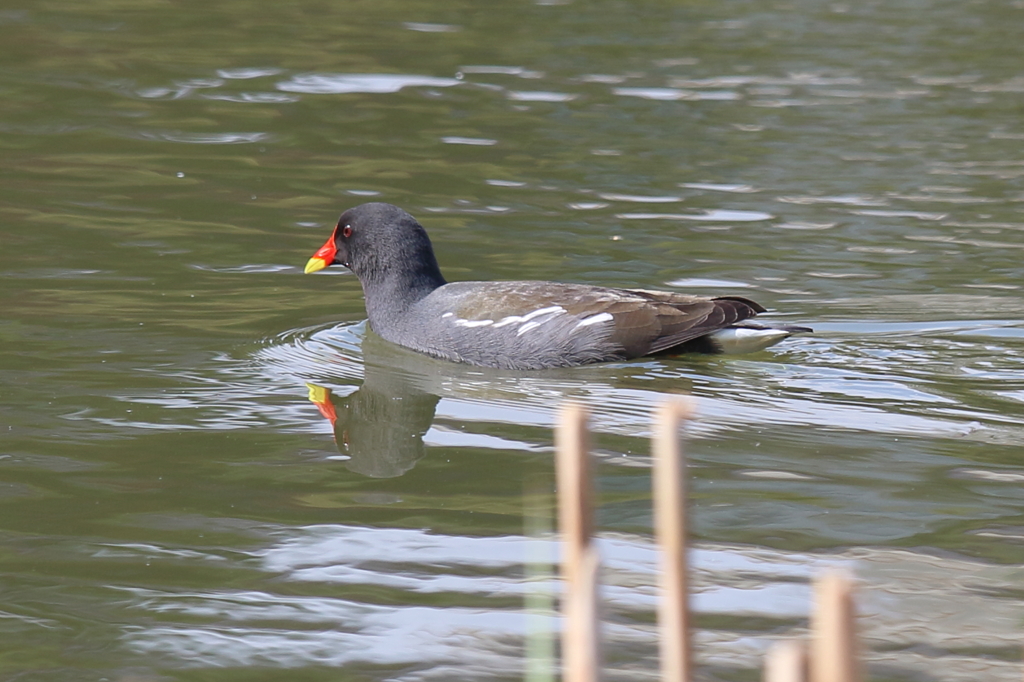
[[325, 83], [250, 627]]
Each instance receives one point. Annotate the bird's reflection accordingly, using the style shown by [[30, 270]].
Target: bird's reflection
[[380, 426]]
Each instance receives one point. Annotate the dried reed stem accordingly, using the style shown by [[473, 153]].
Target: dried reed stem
[[669, 483], [581, 653], [786, 662], [833, 631]]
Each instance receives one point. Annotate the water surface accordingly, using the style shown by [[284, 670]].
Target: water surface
[[176, 505]]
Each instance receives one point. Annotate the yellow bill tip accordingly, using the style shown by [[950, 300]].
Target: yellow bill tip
[[314, 264], [318, 394], [321, 397]]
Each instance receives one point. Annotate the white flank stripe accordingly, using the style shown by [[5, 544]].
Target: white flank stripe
[[551, 310], [512, 319], [527, 327], [594, 319], [473, 323], [543, 315]]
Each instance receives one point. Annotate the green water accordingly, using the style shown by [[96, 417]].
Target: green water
[[174, 507]]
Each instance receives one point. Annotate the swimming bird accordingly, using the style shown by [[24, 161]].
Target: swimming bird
[[523, 324]]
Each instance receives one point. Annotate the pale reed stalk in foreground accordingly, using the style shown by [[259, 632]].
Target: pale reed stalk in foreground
[[834, 631], [581, 654], [786, 662], [669, 484]]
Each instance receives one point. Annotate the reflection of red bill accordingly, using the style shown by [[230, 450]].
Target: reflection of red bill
[[321, 397]]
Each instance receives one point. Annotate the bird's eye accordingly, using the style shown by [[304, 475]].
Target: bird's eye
[[347, 232]]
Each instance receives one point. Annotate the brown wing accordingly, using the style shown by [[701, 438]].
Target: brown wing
[[667, 319], [642, 321]]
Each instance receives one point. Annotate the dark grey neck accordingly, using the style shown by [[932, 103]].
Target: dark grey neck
[[390, 294]]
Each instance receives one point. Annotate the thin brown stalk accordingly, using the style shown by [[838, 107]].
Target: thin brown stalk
[[669, 484], [581, 653], [786, 662], [833, 631]]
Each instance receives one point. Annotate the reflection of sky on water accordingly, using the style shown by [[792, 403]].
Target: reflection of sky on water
[[853, 383], [165, 180], [904, 599]]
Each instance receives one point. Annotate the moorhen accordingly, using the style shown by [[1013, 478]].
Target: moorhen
[[528, 324]]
